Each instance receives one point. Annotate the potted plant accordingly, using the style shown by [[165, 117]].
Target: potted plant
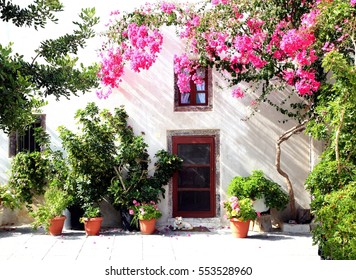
[[92, 220], [133, 179], [240, 213], [264, 193], [90, 153], [257, 186], [146, 214], [49, 213], [7, 200]]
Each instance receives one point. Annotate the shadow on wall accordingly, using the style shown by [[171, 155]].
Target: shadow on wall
[[245, 145]]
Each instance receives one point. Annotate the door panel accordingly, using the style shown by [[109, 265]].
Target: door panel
[[194, 184]]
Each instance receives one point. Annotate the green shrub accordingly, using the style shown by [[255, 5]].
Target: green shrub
[[8, 198], [55, 201], [336, 224], [325, 178], [29, 176], [256, 186]]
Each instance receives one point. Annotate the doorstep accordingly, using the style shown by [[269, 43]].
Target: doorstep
[[295, 228]]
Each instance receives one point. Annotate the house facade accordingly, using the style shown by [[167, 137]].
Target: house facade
[[207, 127]]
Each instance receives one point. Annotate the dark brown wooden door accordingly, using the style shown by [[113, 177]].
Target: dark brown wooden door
[[194, 184]]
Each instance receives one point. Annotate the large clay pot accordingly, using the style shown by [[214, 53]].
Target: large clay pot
[[148, 226], [239, 229], [92, 225], [56, 225]]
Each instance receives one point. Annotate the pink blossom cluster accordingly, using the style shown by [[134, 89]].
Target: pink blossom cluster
[[112, 68], [183, 67], [295, 46], [238, 93], [216, 42], [306, 82], [145, 45], [141, 49], [189, 29], [167, 7], [353, 3], [217, 2], [242, 49], [245, 51], [234, 203]]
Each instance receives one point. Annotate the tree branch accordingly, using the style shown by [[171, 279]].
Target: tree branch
[[284, 137]]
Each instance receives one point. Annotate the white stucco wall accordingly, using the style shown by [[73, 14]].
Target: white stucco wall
[[148, 98]]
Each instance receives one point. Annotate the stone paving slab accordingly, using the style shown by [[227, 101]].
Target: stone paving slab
[[23, 243], [28, 254]]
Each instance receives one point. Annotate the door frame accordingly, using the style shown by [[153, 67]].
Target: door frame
[[215, 199]]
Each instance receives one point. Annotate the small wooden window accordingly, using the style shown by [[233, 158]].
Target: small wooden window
[[199, 98], [25, 141]]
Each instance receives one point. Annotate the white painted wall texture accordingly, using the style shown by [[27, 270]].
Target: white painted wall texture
[[149, 97]]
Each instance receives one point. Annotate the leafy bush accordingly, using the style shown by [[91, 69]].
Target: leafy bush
[[256, 186], [90, 154], [132, 180], [325, 178], [336, 224], [107, 158], [144, 211], [240, 209], [8, 198], [29, 176], [91, 211], [55, 201]]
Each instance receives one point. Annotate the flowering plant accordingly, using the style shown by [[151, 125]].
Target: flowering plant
[[239, 209], [144, 211]]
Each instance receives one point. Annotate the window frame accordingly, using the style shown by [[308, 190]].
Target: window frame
[[193, 106], [14, 147]]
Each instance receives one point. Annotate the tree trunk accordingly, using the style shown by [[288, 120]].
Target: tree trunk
[[285, 136], [337, 136]]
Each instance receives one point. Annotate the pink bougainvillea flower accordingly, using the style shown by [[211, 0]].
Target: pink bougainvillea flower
[[234, 205], [233, 198], [238, 93], [167, 7]]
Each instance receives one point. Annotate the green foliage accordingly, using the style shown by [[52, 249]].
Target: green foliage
[[35, 14], [144, 211], [29, 176], [33, 172], [53, 71], [241, 209], [16, 100], [90, 154], [91, 211], [256, 186], [8, 198], [325, 178], [55, 201], [106, 157], [132, 179], [336, 224], [331, 182]]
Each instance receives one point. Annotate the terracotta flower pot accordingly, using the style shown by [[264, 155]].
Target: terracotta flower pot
[[56, 225], [239, 229], [92, 225], [148, 226]]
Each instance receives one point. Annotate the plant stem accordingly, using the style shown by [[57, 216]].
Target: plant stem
[[285, 136]]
